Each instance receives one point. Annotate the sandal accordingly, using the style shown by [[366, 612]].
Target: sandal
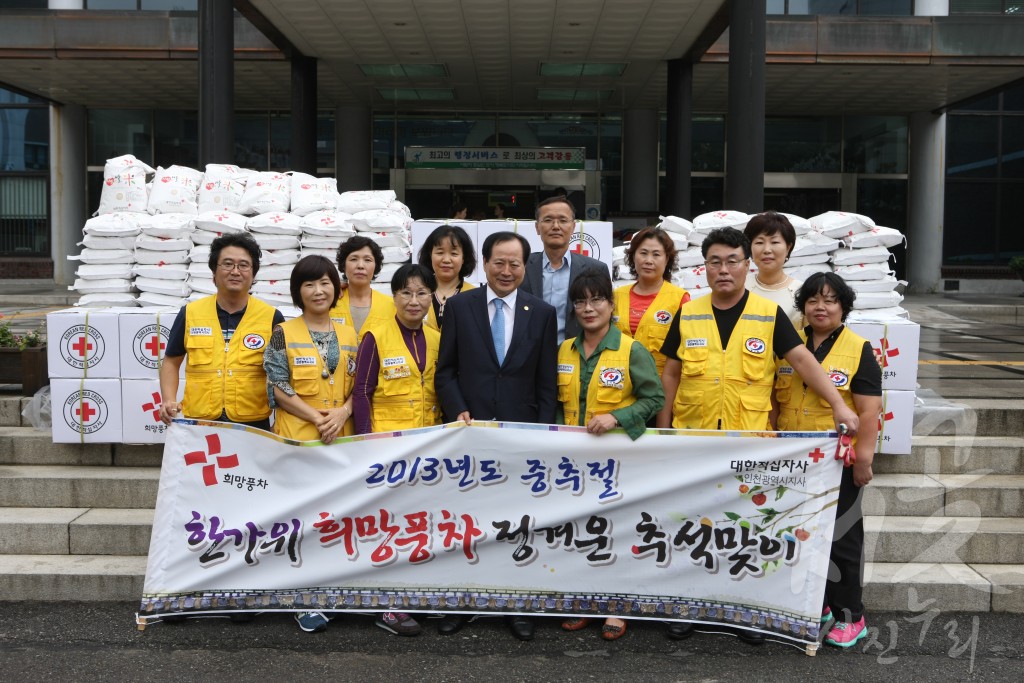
[[613, 631], [575, 624]]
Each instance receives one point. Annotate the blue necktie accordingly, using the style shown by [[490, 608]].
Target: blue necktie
[[498, 330]]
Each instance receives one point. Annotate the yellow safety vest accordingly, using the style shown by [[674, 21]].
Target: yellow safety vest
[[610, 385], [306, 367], [404, 398], [431, 319], [382, 311], [725, 388], [226, 377], [800, 408], [656, 320]]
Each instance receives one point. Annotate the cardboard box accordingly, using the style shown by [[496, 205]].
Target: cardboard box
[[86, 410], [140, 410], [143, 339], [83, 342], [896, 423], [897, 348]]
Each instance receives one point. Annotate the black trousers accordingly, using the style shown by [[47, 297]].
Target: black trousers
[[843, 589]]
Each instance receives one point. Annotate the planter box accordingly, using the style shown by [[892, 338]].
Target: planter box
[[27, 368]]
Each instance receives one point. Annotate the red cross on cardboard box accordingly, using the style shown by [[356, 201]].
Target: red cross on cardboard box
[[81, 346], [154, 346], [580, 250], [86, 412]]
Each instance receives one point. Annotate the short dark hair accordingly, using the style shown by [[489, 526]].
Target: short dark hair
[[456, 236], [770, 223], [666, 242], [504, 236], [309, 269], [730, 237], [457, 207], [242, 240], [815, 284], [591, 281], [412, 271], [354, 244], [557, 199]]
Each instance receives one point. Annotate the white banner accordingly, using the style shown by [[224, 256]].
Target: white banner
[[710, 527]]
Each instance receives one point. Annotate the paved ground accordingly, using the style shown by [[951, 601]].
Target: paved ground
[[99, 642]]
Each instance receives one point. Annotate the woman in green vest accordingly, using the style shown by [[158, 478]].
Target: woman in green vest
[[606, 379]]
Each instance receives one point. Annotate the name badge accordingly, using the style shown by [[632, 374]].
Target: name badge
[[397, 372], [200, 331], [565, 368], [697, 343], [305, 360], [786, 370], [393, 362]]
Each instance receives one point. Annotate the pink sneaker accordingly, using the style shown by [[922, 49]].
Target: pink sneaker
[[826, 614], [847, 635]]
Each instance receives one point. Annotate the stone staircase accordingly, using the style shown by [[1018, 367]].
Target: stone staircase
[[945, 523]]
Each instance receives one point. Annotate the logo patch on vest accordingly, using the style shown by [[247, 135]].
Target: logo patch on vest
[[838, 377], [392, 362], [253, 342], [565, 368], [305, 360], [200, 331], [786, 370], [663, 317], [397, 372], [611, 377], [698, 343], [351, 367], [755, 345]]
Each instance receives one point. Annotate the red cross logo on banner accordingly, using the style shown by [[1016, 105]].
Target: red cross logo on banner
[[154, 346], [580, 250], [81, 346], [816, 455], [210, 470], [153, 406], [86, 412], [884, 353]]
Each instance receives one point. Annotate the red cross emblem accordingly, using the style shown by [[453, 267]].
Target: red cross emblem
[[154, 346], [277, 218], [580, 250], [221, 217], [326, 220], [154, 406], [884, 353], [816, 455], [883, 418], [86, 412], [209, 469], [81, 346]]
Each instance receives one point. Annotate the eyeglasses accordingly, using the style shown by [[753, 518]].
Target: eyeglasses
[[731, 264], [228, 266], [406, 295], [560, 222], [593, 302]]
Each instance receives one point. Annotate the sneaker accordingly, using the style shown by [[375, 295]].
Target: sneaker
[[844, 634], [311, 622], [399, 623], [826, 614]]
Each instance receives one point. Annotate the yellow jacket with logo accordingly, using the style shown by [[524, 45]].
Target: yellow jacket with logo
[[404, 398], [656, 320], [382, 311], [610, 385], [431, 319], [226, 377], [725, 388], [800, 409], [306, 366]]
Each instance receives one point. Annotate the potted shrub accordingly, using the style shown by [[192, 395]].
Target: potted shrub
[[22, 358]]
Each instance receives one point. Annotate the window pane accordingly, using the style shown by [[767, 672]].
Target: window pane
[[433, 132], [171, 5], [709, 144], [24, 139], [1013, 99], [971, 143], [1013, 147], [325, 142], [280, 142], [111, 4], [975, 6], [24, 4], [885, 7], [383, 146], [1011, 237], [115, 132], [875, 144], [611, 144], [11, 97], [970, 223], [802, 145], [24, 215], [885, 201], [251, 141], [776, 7], [611, 194], [706, 194], [176, 138]]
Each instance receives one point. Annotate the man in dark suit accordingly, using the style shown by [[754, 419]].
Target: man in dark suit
[[549, 274], [497, 359]]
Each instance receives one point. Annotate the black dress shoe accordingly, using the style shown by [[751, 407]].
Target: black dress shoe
[[680, 630], [750, 637], [521, 627], [452, 624]]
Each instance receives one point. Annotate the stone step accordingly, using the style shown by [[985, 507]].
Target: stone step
[[54, 486], [957, 455], [989, 540], [73, 578], [963, 495], [29, 446], [971, 417], [75, 531]]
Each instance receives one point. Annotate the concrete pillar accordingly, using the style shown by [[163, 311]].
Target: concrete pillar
[[931, 8], [679, 139], [744, 157], [216, 82], [68, 198], [65, 4], [927, 190], [303, 157], [353, 132], [640, 160]]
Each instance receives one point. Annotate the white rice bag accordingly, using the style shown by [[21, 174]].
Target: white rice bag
[[840, 224], [886, 284], [331, 254], [220, 222], [162, 271], [877, 236], [264, 287], [328, 223], [275, 223], [364, 200], [706, 222], [280, 257], [801, 226], [145, 241], [168, 225], [813, 243], [689, 258], [677, 225], [155, 299], [864, 271], [396, 254], [103, 271], [229, 171], [801, 273], [147, 256], [202, 285], [380, 220], [108, 285], [389, 239], [107, 300], [266, 192], [222, 193], [120, 224], [200, 253], [274, 272], [178, 288], [797, 261], [888, 299], [175, 190], [94, 242], [387, 271], [104, 256], [311, 194], [323, 241], [124, 185], [847, 256], [398, 207], [273, 242]]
